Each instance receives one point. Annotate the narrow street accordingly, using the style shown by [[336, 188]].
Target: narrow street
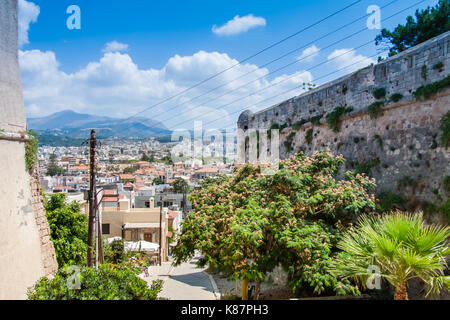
[[185, 282]]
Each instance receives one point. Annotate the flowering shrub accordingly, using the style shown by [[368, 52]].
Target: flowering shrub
[[248, 224], [109, 282]]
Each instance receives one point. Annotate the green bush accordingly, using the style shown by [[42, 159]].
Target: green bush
[[388, 201], [445, 128], [299, 124], [429, 90], [315, 120], [379, 93], [396, 97], [309, 136], [375, 109], [334, 118], [109, 282], [439, 66], [68, 231], [31, 150], [114, 252], [446, 184]]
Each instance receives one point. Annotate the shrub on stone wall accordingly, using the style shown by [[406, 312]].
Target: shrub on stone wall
[[334, 118]]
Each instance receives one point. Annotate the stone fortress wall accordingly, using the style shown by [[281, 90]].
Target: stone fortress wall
[[403, 141], [26, 251]]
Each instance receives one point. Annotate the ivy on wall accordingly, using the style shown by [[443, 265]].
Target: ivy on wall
[[334, 118], [31, 150]]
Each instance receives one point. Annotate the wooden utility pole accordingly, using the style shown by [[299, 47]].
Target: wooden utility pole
[[160, 231], [92, 202]]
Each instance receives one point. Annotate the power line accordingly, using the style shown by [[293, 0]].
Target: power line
[[275, 60], [282, 93], [291, 63], [277, 83], [244, 60]]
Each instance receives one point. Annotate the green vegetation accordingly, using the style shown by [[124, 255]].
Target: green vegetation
[[157, 181], [396, 97], [429, 90], [167, 159], [299, 124], [446, 184], [114, 252], [248, 224], [439, 66], [288, 142], [445, 128], [109, 282], [426, 24], [424, 72], [180, 186], [309, 136], [375, 109], [58, 141], [315, 120], [31, 150], [129, 170], [53, 169], [145, 157], [68, 231], [388, 201], [365, 166], [402, 246], [379, 93], [334, 118], [379, 140]]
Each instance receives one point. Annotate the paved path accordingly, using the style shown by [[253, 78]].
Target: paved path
[[185, 282]]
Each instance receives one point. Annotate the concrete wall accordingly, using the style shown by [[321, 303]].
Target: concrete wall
[[408, 129], [26, 252]]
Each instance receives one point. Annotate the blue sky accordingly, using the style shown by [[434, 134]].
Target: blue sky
[[159, 48]]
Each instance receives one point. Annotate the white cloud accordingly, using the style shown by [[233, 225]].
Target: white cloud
[[341, 58], [116, 86], [239, 25], [309, 54], [115, 46], [28, 13]]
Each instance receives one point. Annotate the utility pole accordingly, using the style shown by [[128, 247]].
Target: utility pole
[[160, 230], [92, 197]]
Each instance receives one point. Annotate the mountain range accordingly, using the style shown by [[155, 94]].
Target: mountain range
[[75, 125]]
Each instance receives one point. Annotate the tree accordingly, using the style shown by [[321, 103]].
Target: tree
[[130, 170], [401, 245], [55, 171], [427, 24], [248, 224], [180, 186], [145, 157], [68, 230], [157, 181]]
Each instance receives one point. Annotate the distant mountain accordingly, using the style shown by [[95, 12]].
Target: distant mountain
[[76, 125]]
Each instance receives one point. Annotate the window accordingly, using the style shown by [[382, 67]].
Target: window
[[147, 204], [105, 228]]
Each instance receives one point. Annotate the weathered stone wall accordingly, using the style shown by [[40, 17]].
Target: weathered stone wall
[[26, 252], [402, 142], [48, 256]]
